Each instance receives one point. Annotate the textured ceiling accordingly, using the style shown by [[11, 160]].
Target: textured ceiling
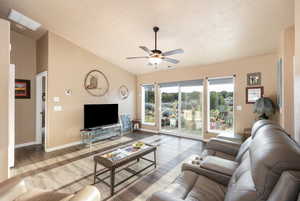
[[209, 31]]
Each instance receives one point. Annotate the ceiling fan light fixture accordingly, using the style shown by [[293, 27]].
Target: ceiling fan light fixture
[[155, 60], [156, 56]]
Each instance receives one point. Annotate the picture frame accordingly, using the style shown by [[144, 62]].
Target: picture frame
[[253, 94], [254, 79], [22, 89]]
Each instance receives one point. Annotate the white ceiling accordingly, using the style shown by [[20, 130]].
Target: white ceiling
[[209, 31]]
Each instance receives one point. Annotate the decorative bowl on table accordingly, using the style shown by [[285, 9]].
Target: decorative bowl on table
[[138, 145]]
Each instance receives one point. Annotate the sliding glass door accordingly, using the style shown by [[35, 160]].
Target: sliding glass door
[[191, 110], [169, 108], [181, 107], [220, 104]]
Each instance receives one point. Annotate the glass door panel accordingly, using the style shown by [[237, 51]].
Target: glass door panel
[[169, 109], [220, 105], [191, 122]]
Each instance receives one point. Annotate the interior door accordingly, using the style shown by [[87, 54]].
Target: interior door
[[41, 108]]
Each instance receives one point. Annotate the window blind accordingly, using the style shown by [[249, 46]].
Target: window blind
[[182, 83], [148, 87], [216, 81]]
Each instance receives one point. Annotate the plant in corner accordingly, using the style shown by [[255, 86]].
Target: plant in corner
[[264, 107]]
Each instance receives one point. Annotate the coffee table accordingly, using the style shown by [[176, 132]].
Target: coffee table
[[118, 157]]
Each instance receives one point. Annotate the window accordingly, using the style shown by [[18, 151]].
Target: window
[[220, 104], [148, 104]]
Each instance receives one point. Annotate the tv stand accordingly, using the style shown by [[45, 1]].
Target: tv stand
[[90, 135]]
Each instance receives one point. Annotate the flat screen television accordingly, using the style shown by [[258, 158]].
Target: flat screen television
[[96, 115]]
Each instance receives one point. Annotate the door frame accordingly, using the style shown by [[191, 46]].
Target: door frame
[[11, 114], [39, 105]]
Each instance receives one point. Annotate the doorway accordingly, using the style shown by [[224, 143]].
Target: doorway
[[41, 108], [181, 108]]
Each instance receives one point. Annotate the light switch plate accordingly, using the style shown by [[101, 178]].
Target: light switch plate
[[56, 99], [239, 107], [57, 108]]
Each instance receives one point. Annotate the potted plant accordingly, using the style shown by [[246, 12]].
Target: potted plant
[[264, 107]]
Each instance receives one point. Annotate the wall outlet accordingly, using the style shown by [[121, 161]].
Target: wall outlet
[[56, 99], [57, 108]]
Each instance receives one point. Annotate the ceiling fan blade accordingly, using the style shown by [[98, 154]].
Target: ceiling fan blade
[[173, 61], [146, 49], [143, 57], [172, 52]]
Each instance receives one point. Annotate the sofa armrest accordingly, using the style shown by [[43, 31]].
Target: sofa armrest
[[11, 189], [211, 174], [219, 165], [224, 146], [89, 193], [163, 196]]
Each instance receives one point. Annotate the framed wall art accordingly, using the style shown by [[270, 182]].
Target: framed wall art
[[124, 92], [253, 79], [96, 83], [22, 89], [253, 94]]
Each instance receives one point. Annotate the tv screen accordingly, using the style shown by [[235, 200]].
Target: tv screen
[[100, 115]]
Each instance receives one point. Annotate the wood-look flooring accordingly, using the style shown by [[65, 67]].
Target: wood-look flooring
[[71, 169]]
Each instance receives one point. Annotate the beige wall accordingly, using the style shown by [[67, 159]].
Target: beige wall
[[23, 55], [68, 65], [4, 73], [287, 52], [297, 72], [266, 64], [42, 54]]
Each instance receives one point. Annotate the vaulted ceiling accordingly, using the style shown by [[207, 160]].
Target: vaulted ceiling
[[209, 31]]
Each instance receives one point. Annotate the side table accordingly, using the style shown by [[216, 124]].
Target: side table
[[136, 124], [247, 133]]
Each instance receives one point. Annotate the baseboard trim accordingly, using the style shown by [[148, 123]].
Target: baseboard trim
[[148, 130], [25, 144], [62, 146]]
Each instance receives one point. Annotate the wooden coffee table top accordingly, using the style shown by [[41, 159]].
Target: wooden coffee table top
[[122, 155]]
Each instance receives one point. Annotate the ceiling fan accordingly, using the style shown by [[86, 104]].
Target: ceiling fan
[[156, 56]]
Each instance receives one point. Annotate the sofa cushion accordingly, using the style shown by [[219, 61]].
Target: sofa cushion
[[164, 196], [259, 124], [191, 187], [220, 165], [182, 185], [272, 152], [210, 152], [12, 188], [287, 188], [206, 190], [241, 186], [38, 195], [243, 149]]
